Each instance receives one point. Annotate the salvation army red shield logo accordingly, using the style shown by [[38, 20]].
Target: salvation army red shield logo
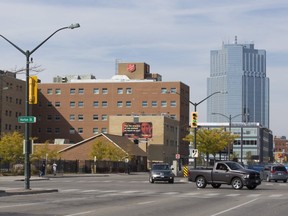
[[131, 68]]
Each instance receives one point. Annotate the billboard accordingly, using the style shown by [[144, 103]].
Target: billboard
[[137, 129]]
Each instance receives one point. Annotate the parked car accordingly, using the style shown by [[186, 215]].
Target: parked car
[[225, 172], [275, 172], [161, 172]]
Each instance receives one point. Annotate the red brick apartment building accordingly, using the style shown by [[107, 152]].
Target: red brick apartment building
[[12, 102], [78, 107]]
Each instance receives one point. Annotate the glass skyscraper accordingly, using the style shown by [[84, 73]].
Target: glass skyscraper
[[239, 70]]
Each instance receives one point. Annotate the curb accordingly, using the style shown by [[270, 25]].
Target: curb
[[26, 192]]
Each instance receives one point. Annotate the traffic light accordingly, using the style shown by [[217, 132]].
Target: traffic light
[[33, 90], [194, 119]]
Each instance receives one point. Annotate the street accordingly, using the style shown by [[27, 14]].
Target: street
[[132, 195]]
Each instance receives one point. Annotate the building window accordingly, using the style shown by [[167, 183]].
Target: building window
[[49, 117], [57, 91], [80, 104], [72, 91], [163, 90], [173, 90], [49, 104], [144, 104], [49, 91], [57, 104], [104, 117], [95, 130], [173, 103], [95, 104], [72, 104], [57, 117], [49, 130], [104, 104], [163, 103], [119, 104], [57, 130], [154, 104], [104, 130], [95, 117], [71, 131], [80, 130], [96, 91], [128, 90], [120, 91], [80, 117], [173, 117], [128, 103], [81, 91], [104, 91], [72, 117]]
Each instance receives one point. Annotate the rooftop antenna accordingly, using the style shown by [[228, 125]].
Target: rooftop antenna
[[236, 39]]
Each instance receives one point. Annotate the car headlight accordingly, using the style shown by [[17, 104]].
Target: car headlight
[[246, 176]]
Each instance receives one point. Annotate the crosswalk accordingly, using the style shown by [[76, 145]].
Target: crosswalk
[[200, 194]]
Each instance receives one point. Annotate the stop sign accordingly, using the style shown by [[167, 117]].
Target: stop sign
[[177, 156]]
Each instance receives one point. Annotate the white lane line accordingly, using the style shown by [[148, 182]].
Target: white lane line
[[80, 213], [68, 190], [145, 203], [235, 207], [276, 195], [233, 195], [254, 195]]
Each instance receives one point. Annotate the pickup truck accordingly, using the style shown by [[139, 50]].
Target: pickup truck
[[225, 172]]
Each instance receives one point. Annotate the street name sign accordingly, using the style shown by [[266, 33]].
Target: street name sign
[[26, 119]]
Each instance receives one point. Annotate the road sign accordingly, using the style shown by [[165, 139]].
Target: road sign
[[177, 156], [26, 119], [195, 153]]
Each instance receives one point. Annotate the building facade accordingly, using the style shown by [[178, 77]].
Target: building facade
[[12, 102], [254, 142], [239, 69], [158, 136], [79, 107]]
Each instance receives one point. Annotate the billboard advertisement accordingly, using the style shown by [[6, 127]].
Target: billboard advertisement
[[137, 129]]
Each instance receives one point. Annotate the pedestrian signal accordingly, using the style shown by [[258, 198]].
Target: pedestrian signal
[[194, 119]]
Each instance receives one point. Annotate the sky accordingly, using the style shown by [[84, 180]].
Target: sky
[[174, 37]]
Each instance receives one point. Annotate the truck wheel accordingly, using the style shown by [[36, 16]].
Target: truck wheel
[[216, 185], [201, 182], [251, 187], [237, 183]]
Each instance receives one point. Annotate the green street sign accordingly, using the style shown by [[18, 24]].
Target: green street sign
[[26, 119]]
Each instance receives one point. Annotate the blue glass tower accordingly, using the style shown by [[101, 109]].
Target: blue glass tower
[[240, 70]]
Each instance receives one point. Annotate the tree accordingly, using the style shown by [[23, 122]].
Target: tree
[[211, 141], [11, 147], [44, 151], [107, 151]]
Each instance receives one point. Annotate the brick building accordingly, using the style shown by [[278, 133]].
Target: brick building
[[79, 107], [12, 102]]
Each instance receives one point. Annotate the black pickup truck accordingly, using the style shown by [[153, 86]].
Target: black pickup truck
[[225, 172]]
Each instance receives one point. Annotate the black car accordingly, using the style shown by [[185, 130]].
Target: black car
[[161, 172]]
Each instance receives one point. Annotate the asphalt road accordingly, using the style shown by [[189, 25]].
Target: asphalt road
[[133, 195]]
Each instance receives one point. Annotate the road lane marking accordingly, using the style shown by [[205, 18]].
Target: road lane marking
[[235, 207], [145, 203], [276, 195], [233, 195], [254, 195], [80, 213]]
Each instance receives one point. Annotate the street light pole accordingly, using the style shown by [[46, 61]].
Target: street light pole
[[195, 129], [230, 122], [27, 140]]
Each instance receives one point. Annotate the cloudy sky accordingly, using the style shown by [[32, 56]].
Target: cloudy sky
[[174, 37]]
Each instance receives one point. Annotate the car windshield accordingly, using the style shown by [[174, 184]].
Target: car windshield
[[234, 166], [160, 167], [279, 168]]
